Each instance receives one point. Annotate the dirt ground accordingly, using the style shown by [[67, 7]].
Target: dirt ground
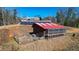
[[68, 42]]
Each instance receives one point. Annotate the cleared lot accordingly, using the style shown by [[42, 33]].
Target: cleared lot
[[67, 42]]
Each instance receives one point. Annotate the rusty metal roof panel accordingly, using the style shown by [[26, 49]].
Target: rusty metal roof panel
[[50, 25]]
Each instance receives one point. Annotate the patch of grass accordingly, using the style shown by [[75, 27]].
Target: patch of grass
[[74, 46], [10, 46]]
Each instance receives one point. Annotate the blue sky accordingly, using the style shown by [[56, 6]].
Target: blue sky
[[34, 11]]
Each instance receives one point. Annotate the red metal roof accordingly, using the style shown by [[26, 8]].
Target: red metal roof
[[49, 25]]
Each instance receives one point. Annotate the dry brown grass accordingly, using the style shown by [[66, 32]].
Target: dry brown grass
[[67, 42], [10, 46], [58, 43], [64, 43]]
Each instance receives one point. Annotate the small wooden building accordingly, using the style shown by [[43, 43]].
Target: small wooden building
[[48, 29]]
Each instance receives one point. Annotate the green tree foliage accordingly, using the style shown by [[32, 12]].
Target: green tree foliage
[[68, 17], [60, 16]]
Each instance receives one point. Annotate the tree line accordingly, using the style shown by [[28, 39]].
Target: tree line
[[67, 17], [8, 16]]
